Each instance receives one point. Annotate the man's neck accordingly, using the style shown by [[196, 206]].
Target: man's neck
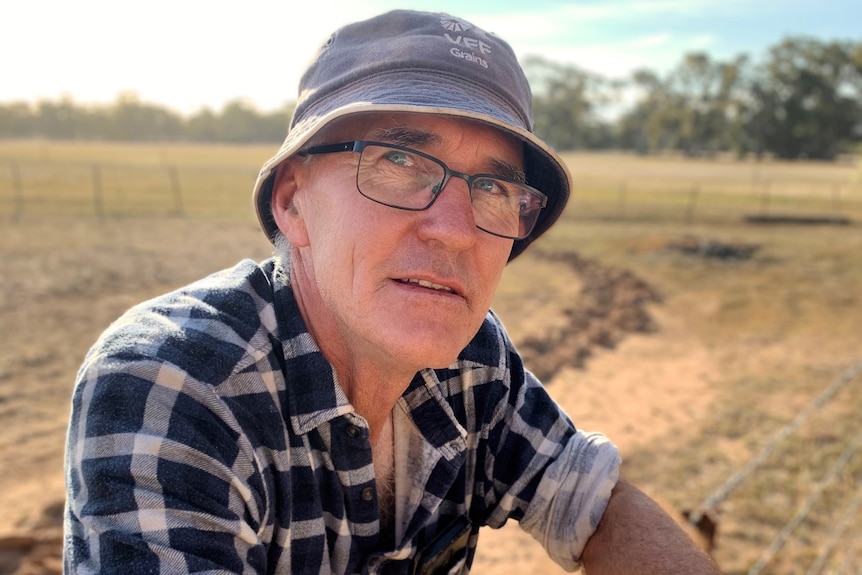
[[371, 380]]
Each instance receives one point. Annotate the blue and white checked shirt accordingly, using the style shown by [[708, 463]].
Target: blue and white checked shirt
[[209, 435]]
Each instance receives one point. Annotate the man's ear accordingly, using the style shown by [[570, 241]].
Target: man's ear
[[285, 206]]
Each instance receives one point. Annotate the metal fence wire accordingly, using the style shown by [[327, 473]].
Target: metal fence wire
[[109, 189], [734, 481]]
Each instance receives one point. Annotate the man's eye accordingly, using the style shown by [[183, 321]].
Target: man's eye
[[491, 187], [400, 158], [530, 202]]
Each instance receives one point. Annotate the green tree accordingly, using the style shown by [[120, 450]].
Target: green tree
[[130, 119], [707, 94], [133, 120], [566, 101], [274, 124], [695, 109], [17, 120], [240, 122], [60, 120], [806, 99], [646, 127], [203, 127]]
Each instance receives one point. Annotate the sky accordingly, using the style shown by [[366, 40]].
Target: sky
[[191, 54]]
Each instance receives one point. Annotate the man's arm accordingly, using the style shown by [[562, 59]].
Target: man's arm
[[636, 536]]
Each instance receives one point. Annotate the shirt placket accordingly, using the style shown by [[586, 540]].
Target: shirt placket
[[425, 472], [359, 531]]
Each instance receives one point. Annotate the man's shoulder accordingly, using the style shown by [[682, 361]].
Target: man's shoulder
[[205, 327], [235, 296]]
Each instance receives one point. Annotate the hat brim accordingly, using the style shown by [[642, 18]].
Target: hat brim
[[543, 168]]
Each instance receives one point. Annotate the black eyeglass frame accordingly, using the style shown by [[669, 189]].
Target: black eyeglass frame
[[360, 145]]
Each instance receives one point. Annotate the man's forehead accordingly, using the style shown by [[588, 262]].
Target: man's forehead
[[416, 128]]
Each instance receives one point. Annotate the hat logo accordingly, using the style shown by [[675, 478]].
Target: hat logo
[[453, 25], [465, 47]]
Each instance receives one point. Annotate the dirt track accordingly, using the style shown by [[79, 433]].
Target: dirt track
[[64, 282]]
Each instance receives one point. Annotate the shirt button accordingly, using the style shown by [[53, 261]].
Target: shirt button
[[352, 430], [367, 494]]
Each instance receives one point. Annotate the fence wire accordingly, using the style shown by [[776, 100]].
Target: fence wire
[[849, 566], [94, 185], [737, 478], [804, 509], [848, 516]]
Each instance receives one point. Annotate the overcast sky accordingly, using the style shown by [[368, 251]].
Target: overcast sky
[[187, 54]]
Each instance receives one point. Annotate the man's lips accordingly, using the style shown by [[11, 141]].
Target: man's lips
[[427, 284]]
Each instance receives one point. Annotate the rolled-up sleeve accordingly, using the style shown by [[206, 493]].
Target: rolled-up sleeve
[[572, 496], [553, 478]]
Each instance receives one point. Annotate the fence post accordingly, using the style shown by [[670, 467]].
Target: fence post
[[692, 203], [17, 190], [621, 200], [836, 194], [764, 198], [176, 190], [98, 206]]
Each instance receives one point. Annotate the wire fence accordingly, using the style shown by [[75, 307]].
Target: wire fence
[[805, 508], [715, 201], [104, 190], [850, 515], [781, 435], [837, 533]]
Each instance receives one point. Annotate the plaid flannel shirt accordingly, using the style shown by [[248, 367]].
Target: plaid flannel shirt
[[209, 434]]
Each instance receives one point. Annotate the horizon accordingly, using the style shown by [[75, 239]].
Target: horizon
[[177, 57]]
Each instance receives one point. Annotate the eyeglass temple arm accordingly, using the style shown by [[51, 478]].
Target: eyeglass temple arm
[[333, 148]]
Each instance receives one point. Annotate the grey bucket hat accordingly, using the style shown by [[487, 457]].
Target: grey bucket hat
[[419, 62]]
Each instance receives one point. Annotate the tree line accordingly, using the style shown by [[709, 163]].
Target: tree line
[[130, 119], [802, 99]]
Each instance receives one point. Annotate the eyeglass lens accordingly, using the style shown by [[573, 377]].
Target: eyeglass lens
[[406, 179]]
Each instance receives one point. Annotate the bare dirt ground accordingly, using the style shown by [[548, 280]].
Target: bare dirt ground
[[64, 282]]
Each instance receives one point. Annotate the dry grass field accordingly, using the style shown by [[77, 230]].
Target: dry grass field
[[689, 341]]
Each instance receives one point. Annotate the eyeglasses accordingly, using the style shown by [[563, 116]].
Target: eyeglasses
[[408, 179]]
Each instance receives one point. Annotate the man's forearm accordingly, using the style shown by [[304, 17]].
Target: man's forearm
[[635, 536]]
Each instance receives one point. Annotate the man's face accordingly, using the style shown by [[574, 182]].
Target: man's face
[[403, 290]]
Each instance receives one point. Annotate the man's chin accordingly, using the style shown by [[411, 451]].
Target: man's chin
[[431, 355], [428, 342], [435, 360]]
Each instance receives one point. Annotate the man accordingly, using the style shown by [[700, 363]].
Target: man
[[351, 405]]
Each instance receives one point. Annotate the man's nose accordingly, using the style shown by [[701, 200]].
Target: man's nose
[[450, 218]]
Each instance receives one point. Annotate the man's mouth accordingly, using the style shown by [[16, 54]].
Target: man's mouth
[[426, 284]]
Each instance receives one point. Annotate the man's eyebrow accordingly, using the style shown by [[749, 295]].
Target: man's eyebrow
[[404, 136], [509, 171], [409, 137]]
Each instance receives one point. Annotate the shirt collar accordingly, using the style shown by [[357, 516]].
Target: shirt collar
[[313, 395]]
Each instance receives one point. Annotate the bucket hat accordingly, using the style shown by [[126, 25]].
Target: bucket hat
[[427, 63]]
